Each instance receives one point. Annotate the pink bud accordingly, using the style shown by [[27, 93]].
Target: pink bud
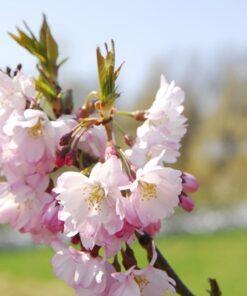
[[59, 161], [65, 156], [50, 218], [186, 202], [69, 158], [190, 183], [65, 139], [75, 239]]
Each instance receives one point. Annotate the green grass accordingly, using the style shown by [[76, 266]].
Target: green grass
[[195, 258]]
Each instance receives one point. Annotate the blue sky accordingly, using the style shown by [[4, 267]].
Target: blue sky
[[142, 30]]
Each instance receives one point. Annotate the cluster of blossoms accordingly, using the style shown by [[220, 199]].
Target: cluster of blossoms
[[69, 185]]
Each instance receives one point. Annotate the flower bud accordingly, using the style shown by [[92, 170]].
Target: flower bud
[[75, 239], [65, 139], [69, 158], [186, 202], [59, 161], [65, 156], [50, 218], [190, 183]]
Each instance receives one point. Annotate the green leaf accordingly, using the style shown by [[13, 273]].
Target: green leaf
[[42, 33], [45, 89], [107, 74], [47, 107], [46, 51], [62, 62], [52, 48]]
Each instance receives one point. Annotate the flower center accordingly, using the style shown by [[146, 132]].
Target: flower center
[[148, 190], [96, 197], [141, 281], [36, 131]]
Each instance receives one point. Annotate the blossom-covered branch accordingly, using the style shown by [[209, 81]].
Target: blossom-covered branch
[[69, 184]]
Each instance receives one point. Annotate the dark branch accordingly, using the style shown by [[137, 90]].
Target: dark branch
[[161, 263], [214, 288]]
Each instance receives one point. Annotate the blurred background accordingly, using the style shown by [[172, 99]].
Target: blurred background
[[202, 45]]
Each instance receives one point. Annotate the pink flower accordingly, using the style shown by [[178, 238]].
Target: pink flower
[[25, 214], [32, 136], [111, 243], [8, 206], [90, 203], [14, 92], [163, 128], [144, 282], [87, 275], [28, 186], [154, 193]]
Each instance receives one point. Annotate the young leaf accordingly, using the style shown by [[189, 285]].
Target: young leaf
[[46, 51], [107, 74]]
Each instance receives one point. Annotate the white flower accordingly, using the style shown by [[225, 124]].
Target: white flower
[[90, 203], [14, 92], [79, 270], [149, 281], [154, 193], [163, 128], [32, 136]]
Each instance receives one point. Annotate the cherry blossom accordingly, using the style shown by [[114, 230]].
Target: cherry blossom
[[163, 128], [142, 282], [90, 203], [86, 274], [14, 92], [68, 182], [32, 136], [154, 193]]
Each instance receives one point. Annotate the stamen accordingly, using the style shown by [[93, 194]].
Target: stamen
[[36, 131], [97, 195], [141, 281], [148, 190]]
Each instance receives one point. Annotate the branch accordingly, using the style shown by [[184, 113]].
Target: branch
[[161, 263], [214, 288]]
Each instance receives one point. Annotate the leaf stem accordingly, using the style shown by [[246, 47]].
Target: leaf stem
[[125, 113]]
